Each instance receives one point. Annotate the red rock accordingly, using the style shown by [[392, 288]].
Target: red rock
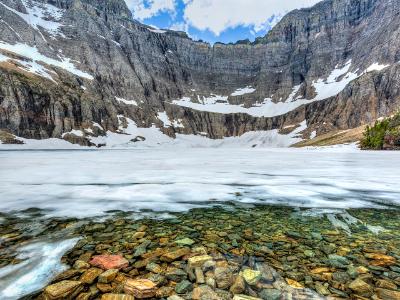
[[107, 262]]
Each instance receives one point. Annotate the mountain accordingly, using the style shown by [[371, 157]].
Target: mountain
[[86, 72]]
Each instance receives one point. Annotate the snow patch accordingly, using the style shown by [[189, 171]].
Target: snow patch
[[163, 117], [313, 135], [156, 30], [98, 126], [74, 132], [128, 102], [33, 54], [220, 104], [337, 80], [243, 91], [334, 84], [376, 67], [38, 14]]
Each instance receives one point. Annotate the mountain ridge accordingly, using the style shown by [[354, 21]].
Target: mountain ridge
[[167, 72]]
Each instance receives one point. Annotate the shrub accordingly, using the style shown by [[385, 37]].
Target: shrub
[[374, 137]]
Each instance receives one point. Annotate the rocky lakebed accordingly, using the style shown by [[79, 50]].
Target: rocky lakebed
[[230, 251]]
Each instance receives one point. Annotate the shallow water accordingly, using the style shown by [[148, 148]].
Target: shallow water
[[49, 197]]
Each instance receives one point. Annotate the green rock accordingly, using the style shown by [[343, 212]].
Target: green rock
[[352, 271], [321, 289], [270, 294], [341, 277], [251, 276], [183, 287], [185, 242], [309, 253]]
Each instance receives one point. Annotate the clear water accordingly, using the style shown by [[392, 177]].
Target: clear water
[[158, 182]]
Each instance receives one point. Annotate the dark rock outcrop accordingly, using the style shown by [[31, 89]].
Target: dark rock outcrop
[[132, 61]]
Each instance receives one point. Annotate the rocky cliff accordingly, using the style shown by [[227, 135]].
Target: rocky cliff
[[84, 71]]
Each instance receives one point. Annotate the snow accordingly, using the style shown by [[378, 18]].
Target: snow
[[128, 102], [313, 135], [334, 84], [376, 67], [163, 117], [116, 43], [220, 104], [178, 179], [41, 262], [343, 148], [156, 30], [44, 144], [177, 123], [35, 56], [154, 138], [36, 16], [337, 80], [97, 125], [243, 91], [75, 132]]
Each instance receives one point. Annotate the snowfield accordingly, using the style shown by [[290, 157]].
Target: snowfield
[[35, 57], [155, 138], [338, 79]]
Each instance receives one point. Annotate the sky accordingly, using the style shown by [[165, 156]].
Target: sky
[[215, 20]]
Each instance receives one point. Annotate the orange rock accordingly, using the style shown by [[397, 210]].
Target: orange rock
[[108, 262], [326, 276], [294, 283], [320, 270], [104, 287], [174, 255], [388, 294], [156, 253], [140, 288], [380, 260]]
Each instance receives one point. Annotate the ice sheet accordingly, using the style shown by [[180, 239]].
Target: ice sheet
[[84, 183]]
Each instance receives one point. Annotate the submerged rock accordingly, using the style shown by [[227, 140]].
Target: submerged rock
[[117, 297], [198, 261], [251, 276], [183, 287], [108, 276], [140, 288], [66, 289], [107, 262], [360, 287]]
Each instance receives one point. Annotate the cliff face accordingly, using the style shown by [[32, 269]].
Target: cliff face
[[85, 64]]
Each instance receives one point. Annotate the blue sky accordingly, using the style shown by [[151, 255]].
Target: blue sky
[[215, 20]]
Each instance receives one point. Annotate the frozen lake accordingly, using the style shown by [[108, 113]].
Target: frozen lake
[[88, 183]]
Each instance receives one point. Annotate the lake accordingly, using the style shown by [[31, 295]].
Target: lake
[[50, 198]]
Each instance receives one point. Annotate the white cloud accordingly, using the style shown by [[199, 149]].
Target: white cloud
[[144, 9], [219, 15]]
